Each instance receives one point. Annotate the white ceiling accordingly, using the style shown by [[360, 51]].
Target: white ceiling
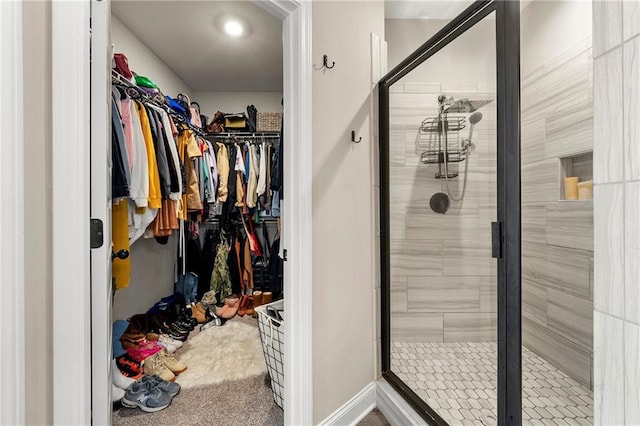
[[187, 37], [421, 9]]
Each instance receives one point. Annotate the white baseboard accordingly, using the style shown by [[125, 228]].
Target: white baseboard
[[394, 407], [355, 409]]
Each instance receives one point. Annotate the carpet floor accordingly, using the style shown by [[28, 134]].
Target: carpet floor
[[242, 402]]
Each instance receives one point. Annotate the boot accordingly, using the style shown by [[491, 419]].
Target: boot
[[243, 305], [257, 301], [248, 307], [266, 297], [197, 312], [230, 308]]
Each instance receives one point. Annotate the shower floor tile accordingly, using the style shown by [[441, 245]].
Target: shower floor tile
[[458, 380]]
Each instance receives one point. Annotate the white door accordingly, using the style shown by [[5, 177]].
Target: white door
[[101, 288]]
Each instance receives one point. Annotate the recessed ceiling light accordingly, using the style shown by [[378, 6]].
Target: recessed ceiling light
[[233, 28]]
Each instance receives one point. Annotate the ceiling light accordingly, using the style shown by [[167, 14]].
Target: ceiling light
[[233, 28]]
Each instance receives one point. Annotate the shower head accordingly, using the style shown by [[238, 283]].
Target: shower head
[[475, 118]]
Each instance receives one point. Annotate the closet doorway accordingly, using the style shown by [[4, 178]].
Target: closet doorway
[[91, 93]]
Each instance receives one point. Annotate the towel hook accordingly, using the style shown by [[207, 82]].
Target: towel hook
[[325, 62], [353, 137]]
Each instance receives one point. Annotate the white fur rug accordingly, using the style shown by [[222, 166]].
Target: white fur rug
[[218, 354]]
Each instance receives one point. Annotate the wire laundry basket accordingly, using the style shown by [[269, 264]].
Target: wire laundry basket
[[272, 338]]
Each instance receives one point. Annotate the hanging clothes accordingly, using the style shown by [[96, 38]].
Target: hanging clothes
[[252, 185], [223, 172], [121, 185], [155, 191]]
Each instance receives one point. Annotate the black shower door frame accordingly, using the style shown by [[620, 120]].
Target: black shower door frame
[[506, 232]]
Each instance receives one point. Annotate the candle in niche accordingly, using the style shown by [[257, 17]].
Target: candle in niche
[[585, 190], [571, 188]]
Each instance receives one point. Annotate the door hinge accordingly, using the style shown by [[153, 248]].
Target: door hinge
[[496, 240], [97, 233], [284, 255]]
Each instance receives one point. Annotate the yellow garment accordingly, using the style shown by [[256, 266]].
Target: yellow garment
[[222, 163], [120, 268], [188, 148], [155, 194]]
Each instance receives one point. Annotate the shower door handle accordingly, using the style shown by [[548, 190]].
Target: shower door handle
[[496, 240]]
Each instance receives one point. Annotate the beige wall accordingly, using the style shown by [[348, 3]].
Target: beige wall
[[464, 60], [143, 61], [37, 206], [343, 183]]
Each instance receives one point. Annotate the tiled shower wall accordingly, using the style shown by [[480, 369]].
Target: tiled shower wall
[[557, 236], [442, 274], [616, 51]]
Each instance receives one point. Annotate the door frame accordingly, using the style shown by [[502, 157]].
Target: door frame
[[72, 295], [509, 361]]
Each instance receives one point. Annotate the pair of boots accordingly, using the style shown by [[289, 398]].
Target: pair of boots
[[230, 308], [260, 298], [199, 312]]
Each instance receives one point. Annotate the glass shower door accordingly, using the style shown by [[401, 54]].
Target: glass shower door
[[440, 185]]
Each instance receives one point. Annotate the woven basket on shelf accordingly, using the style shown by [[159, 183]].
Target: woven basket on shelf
[[269, 121]]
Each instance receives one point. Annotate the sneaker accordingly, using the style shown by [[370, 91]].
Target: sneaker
[[146, 396], [118, 379], [129, 367], [171, 362], [116, 393], [172, 345], [154, 366], [171, 388]]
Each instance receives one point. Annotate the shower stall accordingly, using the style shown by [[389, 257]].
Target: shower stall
[[479, 324]]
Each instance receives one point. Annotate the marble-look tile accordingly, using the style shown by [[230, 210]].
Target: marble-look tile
[[430, 88], [570, 129], [607, 25], [630, 21], [464, 258], [470, 327], [632, 252], [397, 150], [608, 123], [399, 294], [561, 87], [575, 50], [534, 222], [408, 184], [631, 50], [571, 317], [561, 268], [540, 181], [416, 258], [570, 224], [609, 248], [459, 223], [632, 373], [487, 213], [397, 221], [489, 294], [416, 327], [533, 139], [534, 301], [608, 374], [459, 87], [396, 88], [569, 357], [444, 294]]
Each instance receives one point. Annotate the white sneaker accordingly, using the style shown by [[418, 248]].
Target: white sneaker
[[116, 393], [170, 344], [118, 379]]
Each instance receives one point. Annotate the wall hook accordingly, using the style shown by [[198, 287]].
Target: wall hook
[[325, 62], [353, 137]]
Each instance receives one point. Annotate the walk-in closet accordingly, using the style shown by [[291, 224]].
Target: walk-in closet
[[196, 213]]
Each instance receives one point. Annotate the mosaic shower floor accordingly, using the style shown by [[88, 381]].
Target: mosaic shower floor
[[458, 380]]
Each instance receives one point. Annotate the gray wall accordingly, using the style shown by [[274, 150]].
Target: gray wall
[[37, 211], [442, 274], [557, 236], [616, 50]]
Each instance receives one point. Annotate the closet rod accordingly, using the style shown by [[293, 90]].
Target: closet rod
[[271, 135]]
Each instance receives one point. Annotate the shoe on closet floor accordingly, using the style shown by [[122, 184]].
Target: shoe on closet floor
[[154, 366], [129, 367], [230, 308], [171, 388], [171, 362], [170, 344], [118, 379], [116, 393], [146, 396]]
